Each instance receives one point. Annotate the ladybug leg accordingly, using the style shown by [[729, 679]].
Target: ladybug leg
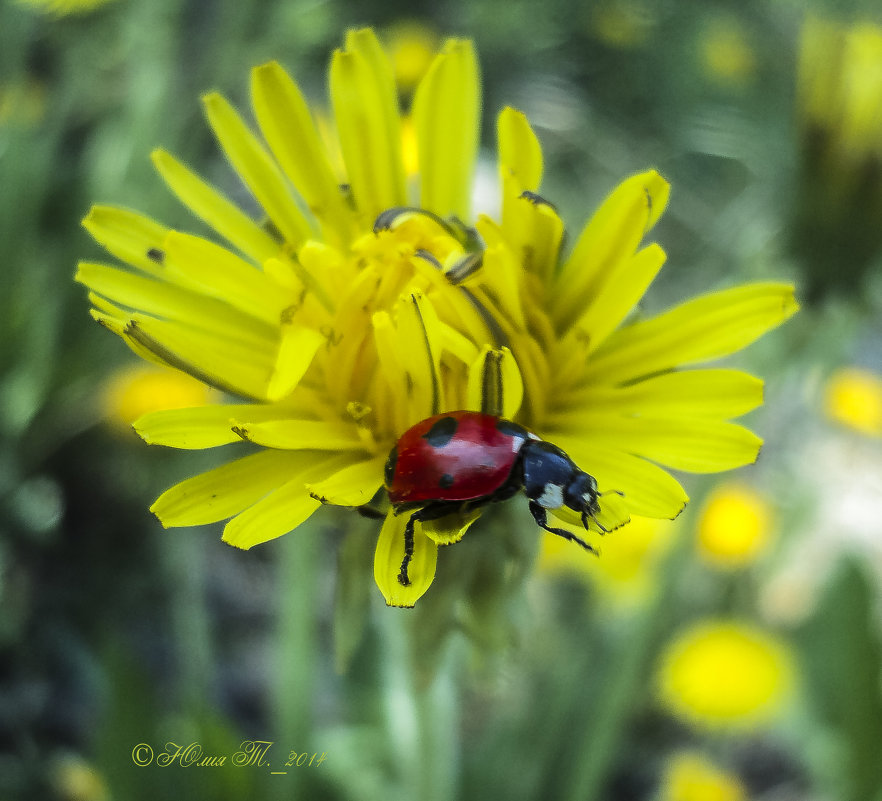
[[541, 518], [586, 514], [592, 511], [403, 579], [430, 512]]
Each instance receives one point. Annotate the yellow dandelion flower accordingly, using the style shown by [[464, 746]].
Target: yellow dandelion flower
[[722, 674], [412, 46], [840, 86], [22, 103], [74, 779], [725, 52], [624, 24], [839, 94], [62, 8], [139, 389], [734, 526], [853, 397], [690, 776], [356, 311]]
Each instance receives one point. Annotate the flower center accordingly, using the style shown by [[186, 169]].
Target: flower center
[[379, 348]]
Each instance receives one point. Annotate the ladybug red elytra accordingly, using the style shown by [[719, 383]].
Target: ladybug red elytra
[[457, 461]]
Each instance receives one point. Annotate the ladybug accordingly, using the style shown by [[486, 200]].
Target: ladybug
[[457, 461]]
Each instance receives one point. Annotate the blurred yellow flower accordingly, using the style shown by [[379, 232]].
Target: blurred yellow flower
[[134, 391], [724, 674], [690, 776], [853, 397], [734, 526], [725, 52], [412, 46], [22, 102], [624, 24], [836, 233], [74, 779], [626, 572], [61, 8], [840, 85]]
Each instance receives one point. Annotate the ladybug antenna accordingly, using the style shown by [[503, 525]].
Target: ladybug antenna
[[611, 492]]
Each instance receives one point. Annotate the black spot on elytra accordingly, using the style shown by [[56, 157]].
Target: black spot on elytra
[[446, 481], [389, 470], [511, 429], [155, 254], [441, 432]]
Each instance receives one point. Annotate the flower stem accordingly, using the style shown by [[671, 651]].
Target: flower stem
[[296, 649], [184, 564], [601, 739], [421, 717]]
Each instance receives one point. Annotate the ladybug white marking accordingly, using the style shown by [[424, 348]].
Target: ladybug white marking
[[551, 497]]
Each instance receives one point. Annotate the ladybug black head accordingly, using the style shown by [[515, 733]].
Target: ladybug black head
[[581, 495], [552, 480]]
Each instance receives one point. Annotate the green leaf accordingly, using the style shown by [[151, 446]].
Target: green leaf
[[842, 664]]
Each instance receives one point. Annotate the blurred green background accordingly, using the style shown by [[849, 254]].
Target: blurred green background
[[540, 680]]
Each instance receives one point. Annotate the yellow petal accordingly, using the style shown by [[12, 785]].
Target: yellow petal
[[231, 365], [285, 507], [706, 327], [542, 233], [174, 302], [389, 556], [530, 226], [287, 125], [409, 352], [257, 169], [216, 272], [614, 513], [211, 206], [366, 108], [620, 294], [648, 490], [498, 287], [419, 346], [451, 528], [299, 434], [613, 233], [199, 427], [535, 370], [495, 385], [117, 322], [297, 348], [353, 485], [697, 445], [715, 393], [226, 490], [452, 303], [392, 371], [520, 154], [128, 235], [446, 111], [278, 513]]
